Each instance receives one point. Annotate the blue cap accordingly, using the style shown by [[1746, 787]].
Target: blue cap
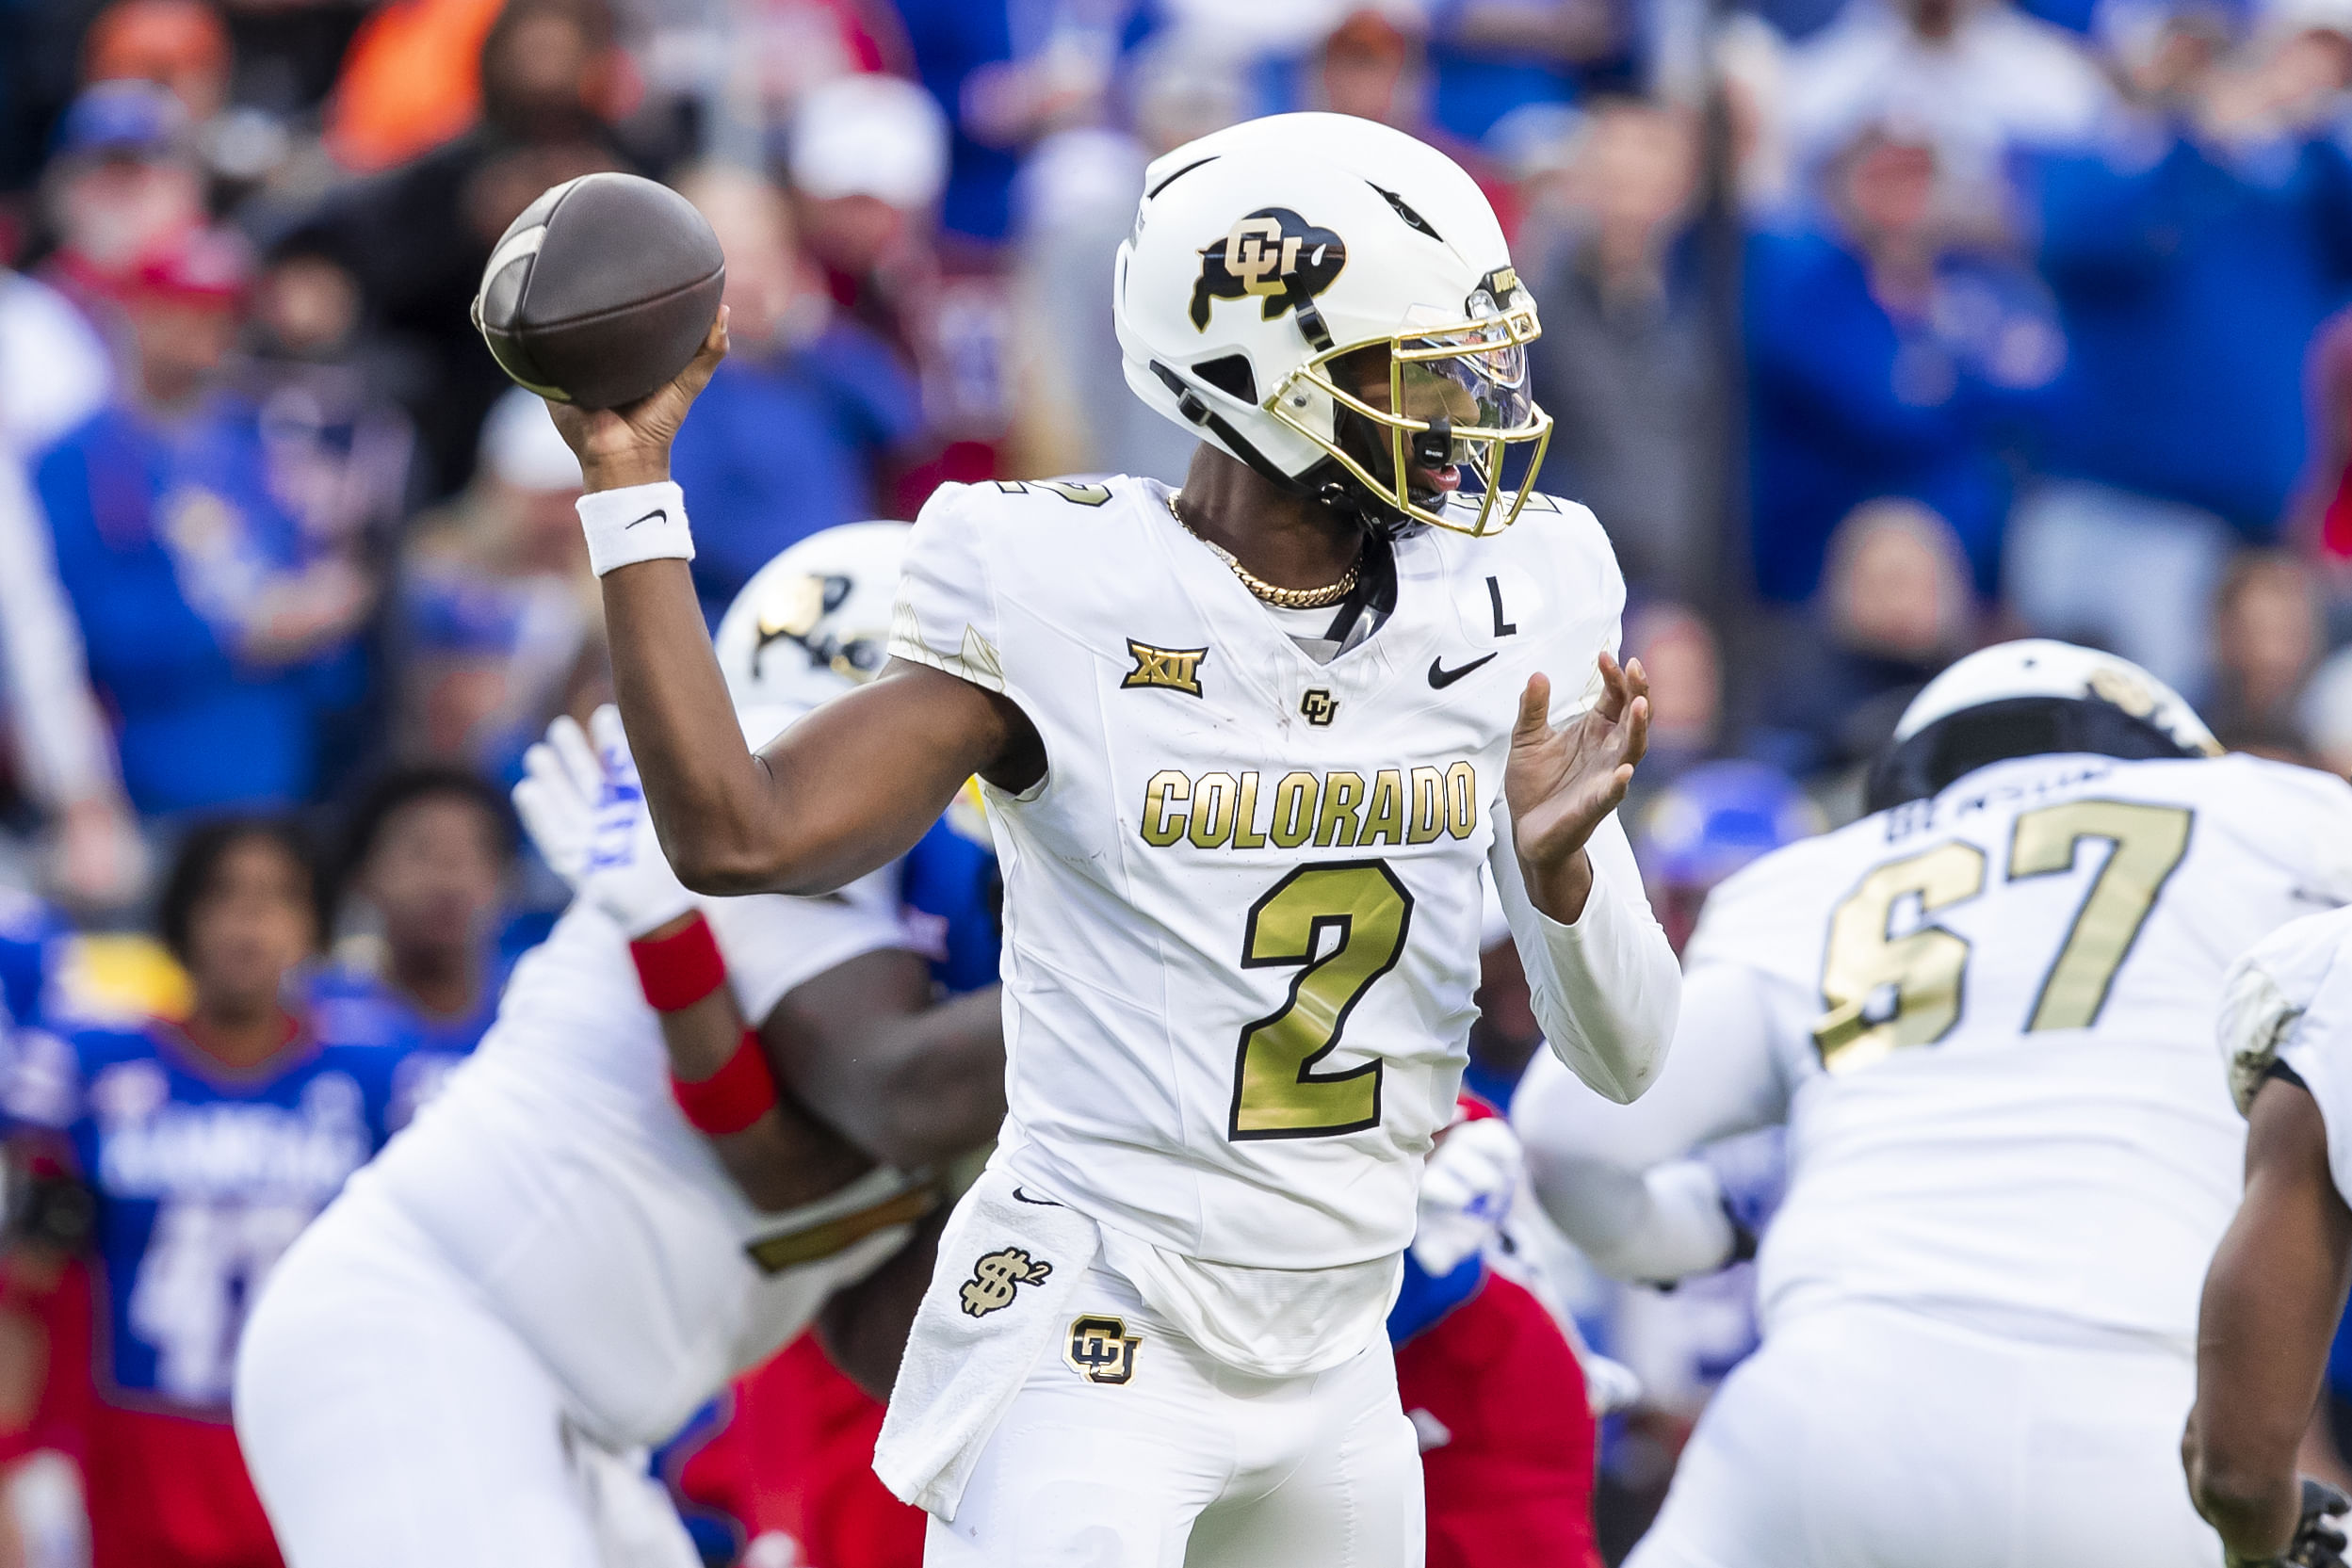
[[1717, 817], [129, 118]]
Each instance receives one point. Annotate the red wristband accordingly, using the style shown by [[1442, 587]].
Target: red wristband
[[732, 1098], [680, 970]]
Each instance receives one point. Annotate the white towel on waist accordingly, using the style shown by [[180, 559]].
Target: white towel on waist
[[1008, 1263]]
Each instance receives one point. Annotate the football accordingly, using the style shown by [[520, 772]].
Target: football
[[601, 290]]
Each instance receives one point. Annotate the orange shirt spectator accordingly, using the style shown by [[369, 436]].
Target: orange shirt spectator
[[412, 81]]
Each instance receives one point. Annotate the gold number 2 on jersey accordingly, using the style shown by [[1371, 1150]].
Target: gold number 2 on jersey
[[1364, 912], [1886, 992]]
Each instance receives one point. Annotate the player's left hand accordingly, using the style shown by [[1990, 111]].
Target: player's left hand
[[583, 806], [1561, 782]]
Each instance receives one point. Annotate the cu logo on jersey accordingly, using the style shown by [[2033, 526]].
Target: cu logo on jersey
[[1273, 253], [1101, 1349]]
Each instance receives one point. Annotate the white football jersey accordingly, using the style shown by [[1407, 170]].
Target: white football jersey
[[1242, 907], [2292, 996], [557, 1173], [1991, 1017]]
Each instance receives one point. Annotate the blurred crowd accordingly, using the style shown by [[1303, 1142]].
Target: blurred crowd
[[1874, 330]]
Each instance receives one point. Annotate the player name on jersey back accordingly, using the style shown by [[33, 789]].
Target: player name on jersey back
[[1242, 907], [1994, 1009]]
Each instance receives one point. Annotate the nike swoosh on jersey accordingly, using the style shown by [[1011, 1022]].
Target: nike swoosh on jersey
[[662, 512], [1440, 677], [1042, 1202]]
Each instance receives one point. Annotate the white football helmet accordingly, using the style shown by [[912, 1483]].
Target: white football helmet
[[2029, 697], [811, 623], [1332, 302]]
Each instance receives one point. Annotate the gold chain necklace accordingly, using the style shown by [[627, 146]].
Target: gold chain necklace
[[1281, 598]]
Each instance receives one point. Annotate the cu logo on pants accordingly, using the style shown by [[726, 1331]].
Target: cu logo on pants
[[1101, 1349]]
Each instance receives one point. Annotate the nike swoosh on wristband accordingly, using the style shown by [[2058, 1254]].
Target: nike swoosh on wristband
[[1042, 1202], [663, 512], [1440, 677]]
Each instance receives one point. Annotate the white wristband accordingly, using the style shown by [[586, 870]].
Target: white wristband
[[634, 524]]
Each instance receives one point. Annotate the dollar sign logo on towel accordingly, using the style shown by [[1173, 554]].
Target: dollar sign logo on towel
[[993, 1277]]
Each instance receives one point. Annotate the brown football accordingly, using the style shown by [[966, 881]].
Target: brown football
[[601, 290]]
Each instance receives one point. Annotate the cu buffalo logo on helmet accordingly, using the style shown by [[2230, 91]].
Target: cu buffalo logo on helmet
[[1273, 253]]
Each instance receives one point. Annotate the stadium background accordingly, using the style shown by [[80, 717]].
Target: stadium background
[[1876, 329]]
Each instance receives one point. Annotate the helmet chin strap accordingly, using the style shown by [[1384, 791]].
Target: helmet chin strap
[[1371, 447], [1327, 483]]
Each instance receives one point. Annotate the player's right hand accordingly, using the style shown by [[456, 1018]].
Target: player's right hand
[[584, 807], [630, 445]]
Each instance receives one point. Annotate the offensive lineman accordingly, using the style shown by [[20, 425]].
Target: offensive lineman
[[1984, 1012], [460, 1364], [2276, 1291], [1245, 749]]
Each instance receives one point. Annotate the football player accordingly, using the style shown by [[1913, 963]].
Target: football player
[[2276, 1291], [1245, 748], [206, 1143], [427, 852], [611, 1208], [1983, 1011]]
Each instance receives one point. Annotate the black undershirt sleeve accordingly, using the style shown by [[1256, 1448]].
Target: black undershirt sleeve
[[2280, 1070]]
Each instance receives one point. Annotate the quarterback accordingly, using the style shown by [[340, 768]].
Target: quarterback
[[1248, 750], [462, 1362], [1984, 1012]]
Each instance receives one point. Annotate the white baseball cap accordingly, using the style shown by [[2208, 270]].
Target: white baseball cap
[[521, 446], [873, 136]]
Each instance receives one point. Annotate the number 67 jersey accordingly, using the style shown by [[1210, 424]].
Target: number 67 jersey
[[1990, 1015], [1242, 907]]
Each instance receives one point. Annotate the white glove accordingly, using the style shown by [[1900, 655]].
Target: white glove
[[1466, 1190], [1609, 1386], [585, 808]]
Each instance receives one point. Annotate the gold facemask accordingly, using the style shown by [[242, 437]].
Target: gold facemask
[[1472, 376]]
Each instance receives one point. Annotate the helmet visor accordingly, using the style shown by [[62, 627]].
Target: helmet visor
[[1456, 401], [1474, 378]]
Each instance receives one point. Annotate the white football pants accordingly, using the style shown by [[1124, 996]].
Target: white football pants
[[1188, 1463], [392, 1420], [1868, 1437]]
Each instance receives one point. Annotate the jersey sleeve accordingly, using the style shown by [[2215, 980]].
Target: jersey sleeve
[[2318, 1049], [2303, 820], [947, 614], [1605, 989], [1584, 570], [2267, 990], [1723, 1076], [774, 943], [1613, 1178], [1746, 927], [1746, 918]]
